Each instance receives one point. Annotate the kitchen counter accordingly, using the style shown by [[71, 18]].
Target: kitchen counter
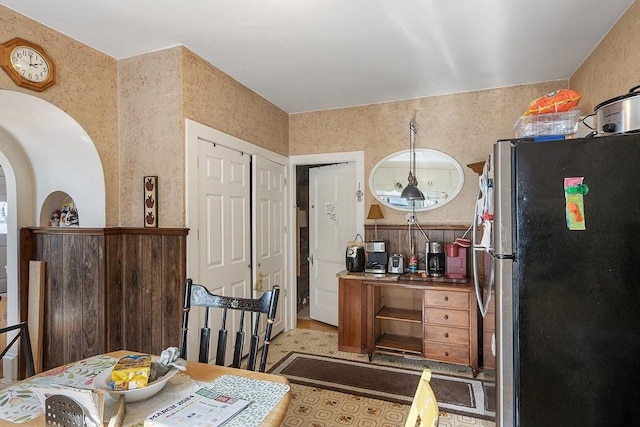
[[405, 277], [384, 277]]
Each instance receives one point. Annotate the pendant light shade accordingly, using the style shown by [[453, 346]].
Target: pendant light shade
[[411, 191]]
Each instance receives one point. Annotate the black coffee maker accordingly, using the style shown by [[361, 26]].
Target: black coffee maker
[[355, 258], [435, 259]]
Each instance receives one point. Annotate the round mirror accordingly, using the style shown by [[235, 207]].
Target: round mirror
[[440, 178]]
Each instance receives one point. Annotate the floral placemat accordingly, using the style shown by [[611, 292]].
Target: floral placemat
[[18, 404], [264, 396]]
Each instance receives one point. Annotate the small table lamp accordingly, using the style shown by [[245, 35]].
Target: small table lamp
[[375, 213]]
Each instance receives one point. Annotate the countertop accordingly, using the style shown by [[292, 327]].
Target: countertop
[[420, 276]]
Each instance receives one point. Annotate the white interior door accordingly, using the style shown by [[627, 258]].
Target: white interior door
[[224, 234], [270, 235], [332, 223]]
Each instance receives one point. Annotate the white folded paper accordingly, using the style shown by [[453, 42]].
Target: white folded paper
[[92, 401]]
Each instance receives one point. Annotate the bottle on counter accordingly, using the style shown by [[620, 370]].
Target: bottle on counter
[[413, 263]]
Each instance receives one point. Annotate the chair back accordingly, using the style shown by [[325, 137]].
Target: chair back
[[25, 341], [196, 295], [424, 405]]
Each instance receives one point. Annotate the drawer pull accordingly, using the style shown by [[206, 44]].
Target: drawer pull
[[446, 299], [446, 335], [446, 317], [446, 353]]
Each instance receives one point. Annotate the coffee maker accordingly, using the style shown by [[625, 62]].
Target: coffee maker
[[456, 261], [376, 257], [435, 260]]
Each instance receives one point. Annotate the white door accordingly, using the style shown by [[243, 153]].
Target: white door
[[270, 235], [224, 235], [332, 223]]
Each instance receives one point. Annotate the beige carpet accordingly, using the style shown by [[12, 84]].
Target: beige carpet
[[315, 407]]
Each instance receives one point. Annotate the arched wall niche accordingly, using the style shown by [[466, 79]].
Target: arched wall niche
[[54, 202]]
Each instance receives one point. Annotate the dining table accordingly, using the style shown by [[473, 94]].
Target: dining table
[[202, 373]]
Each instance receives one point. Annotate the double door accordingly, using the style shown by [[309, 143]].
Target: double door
[[240, 230]]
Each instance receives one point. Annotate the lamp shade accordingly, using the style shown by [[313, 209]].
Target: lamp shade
[[411, 192], [375, 212]]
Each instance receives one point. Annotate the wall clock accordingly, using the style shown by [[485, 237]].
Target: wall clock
[[27, 64]]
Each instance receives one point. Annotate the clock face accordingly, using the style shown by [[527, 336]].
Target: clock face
[[29, 64]]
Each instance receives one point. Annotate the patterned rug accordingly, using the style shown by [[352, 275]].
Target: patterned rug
[[318, 407], [454, 394]]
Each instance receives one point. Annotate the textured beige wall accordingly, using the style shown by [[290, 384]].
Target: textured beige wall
[[86, 89], [152, 135], [614, 66], [218, 101], [463, 125], [158, 90]]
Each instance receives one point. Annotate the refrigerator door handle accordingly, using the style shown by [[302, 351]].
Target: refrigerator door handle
[[483, 304]]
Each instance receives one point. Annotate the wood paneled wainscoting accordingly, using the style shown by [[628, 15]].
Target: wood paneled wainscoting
[[106, 289]]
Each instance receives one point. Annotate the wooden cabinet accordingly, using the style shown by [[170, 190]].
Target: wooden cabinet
[[488, 336], [431, 320], [450, 326], [397, 320], [352, 321]]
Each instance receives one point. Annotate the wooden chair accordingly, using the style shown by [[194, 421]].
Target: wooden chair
[[198, 295], [25, 341], [424, 406]]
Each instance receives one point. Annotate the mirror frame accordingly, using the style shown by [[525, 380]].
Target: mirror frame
[[440, 203]]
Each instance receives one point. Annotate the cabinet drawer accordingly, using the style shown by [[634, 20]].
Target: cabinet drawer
[[443, 316], [446, 299], [446, 353], [446, 335]]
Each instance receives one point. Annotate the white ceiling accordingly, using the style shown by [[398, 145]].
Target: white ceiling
[[308, 55]]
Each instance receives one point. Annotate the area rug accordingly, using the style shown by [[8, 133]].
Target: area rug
[[456, 395]]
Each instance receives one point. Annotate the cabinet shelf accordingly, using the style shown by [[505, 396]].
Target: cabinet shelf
[[399, 343], [401, 314]]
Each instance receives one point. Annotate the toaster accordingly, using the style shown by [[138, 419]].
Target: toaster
[[396, 264]]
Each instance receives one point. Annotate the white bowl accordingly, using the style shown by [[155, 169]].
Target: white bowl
[[102, 381]]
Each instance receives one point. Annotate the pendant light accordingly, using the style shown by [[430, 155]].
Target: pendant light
[[411, 192]]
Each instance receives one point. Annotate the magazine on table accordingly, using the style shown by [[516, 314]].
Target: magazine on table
[[203, 407]]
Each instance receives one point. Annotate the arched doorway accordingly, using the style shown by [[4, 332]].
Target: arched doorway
[[43, 150]]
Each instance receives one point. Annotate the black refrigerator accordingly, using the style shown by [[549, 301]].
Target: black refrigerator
[[566, 253]]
